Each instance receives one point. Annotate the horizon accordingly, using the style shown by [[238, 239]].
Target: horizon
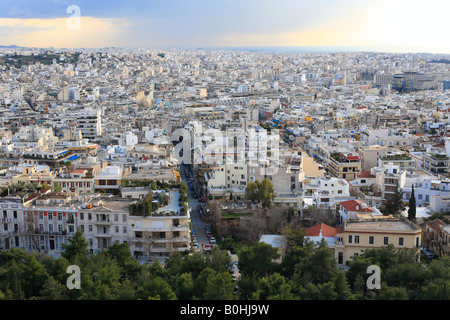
[[383, 26], [272, 49]]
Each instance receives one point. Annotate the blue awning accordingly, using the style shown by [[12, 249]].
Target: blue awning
[[62, 152], [73, 157]]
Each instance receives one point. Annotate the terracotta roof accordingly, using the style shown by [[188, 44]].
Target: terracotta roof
[[79, 171], [316, 230], [365, 174], [351, 205]]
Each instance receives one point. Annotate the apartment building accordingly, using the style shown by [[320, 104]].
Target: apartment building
[[436, 163], [109, 179], [104, 222], [76, 182], [11, 223], [370, 231], [163, 232], [389, 178], [226, 179], [401, 159], [51, 220], [344, 165], [89, 123]]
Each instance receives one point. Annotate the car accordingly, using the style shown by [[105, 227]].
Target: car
[[195, 245], [203, 200], [208, 234], [207, 248], [206, 226], [427, 252], [212, 240]]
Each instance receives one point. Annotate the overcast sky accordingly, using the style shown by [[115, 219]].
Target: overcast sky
[[385, 25]]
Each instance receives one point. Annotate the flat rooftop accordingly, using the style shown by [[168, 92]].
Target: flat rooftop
[[381, 226]]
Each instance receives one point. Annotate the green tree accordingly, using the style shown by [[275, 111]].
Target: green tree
[[412, 206], [258, 258], [156, 288], [184, 286], [53, 290], [394, 205], [76, 248], [262, 192]]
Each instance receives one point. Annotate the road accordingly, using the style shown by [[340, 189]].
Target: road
[[197, 224]]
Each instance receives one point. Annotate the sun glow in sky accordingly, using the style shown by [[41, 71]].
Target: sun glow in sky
[[378, 25]]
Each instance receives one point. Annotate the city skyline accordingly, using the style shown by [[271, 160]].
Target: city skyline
[[374, 25]]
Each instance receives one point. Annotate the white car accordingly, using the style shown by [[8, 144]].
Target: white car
[[212, 240]]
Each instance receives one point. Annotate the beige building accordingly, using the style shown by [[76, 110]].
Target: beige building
[[311, 168], [370, 231]]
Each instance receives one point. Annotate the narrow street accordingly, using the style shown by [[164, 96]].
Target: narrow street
[[194, 204]]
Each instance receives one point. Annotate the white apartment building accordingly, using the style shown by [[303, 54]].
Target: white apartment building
[[326, 192], [389, 178], [11, 223], [89, 122], [104, 222]]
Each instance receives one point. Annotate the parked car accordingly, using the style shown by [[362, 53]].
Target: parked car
[[195, 245], [212, 240], [427, 252], [207, 248]]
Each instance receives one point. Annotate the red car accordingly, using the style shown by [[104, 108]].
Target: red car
[[207, 248]]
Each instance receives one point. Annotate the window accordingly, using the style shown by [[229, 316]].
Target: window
[[116, 229], [82, 227], [41, 216], [350, 239], [371, 239], [356, 239], [89, 216], [81, 216], [124, 218], [15, 214], [116, 217], [50, 216], [90, 228], [59, 216], [124, 229], [400, 241], [386, 241], [50, 228]]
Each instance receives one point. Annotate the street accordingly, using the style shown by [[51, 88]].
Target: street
[[194, 204]]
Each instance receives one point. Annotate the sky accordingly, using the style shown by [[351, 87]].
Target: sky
[[378, 25]]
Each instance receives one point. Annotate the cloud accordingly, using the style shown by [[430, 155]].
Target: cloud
[[93, 32]]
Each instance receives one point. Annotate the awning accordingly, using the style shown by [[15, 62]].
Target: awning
[[71, 158]]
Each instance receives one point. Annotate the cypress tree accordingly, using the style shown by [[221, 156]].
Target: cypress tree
[[412, 206]]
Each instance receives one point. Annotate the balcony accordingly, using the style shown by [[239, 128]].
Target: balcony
[[103, 235], [103, 222]]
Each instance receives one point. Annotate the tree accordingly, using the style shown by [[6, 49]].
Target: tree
[[53, 290], [258, 258], [76, 248], [412, 206], [262, 192], [394, 205]]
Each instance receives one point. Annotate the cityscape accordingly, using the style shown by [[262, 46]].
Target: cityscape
[[225, 163]]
